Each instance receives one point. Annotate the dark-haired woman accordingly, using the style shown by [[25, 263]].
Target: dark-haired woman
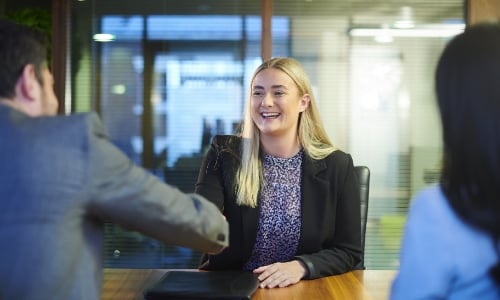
[[451, 242]]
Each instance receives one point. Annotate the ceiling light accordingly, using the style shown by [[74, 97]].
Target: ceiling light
[[428, 31], [104, 37]]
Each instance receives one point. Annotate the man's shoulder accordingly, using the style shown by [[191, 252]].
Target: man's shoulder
[[75, 119], [86, 121], [90, 118], [59, 124], [76, 126]]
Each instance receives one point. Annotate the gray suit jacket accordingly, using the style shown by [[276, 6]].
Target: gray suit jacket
[[60, 178]]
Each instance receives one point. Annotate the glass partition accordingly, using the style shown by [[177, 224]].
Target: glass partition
[[372, 64], [166, 76]]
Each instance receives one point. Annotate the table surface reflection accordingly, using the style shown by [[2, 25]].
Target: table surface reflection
[[129, 284]]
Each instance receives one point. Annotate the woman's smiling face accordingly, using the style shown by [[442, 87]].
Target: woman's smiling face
[[276, 103]]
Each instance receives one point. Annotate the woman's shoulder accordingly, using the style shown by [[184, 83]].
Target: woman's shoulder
[[338, 157], [432, 217], [226, 141], [430, 198], [226, 144], [430, 207], [337, 162]]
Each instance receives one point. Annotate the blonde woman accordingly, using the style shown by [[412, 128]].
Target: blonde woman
[[289, 195]]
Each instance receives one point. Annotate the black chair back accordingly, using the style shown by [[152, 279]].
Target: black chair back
[[363, 174]]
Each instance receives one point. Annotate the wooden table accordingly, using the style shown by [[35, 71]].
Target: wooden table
[[128, 284]]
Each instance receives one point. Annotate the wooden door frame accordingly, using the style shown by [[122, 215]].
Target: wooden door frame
[[477, 11], [60, 48]]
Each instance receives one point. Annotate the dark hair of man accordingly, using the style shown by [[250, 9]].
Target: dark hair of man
[[468, 94], [19, 46]]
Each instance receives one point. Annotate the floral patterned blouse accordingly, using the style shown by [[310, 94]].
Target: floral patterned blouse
[[280, 212]]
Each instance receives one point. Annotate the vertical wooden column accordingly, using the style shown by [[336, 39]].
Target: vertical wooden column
[[267, 42], [147, 110], [482, 11], [60, 44]]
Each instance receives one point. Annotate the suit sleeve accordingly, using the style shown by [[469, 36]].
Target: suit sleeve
[[128, 195]]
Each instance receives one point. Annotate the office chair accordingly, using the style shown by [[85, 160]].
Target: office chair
[[363, 174]]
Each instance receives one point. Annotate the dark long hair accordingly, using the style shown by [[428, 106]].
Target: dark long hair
[[468, 94]]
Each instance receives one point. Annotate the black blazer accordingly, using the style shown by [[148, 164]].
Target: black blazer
[[330, 238]]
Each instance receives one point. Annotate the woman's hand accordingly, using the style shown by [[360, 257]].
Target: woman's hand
[[280, 274]]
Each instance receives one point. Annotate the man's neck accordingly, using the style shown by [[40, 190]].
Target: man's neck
[[12, 104]]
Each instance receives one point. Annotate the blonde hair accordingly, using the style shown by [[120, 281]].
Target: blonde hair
[[311, 133]]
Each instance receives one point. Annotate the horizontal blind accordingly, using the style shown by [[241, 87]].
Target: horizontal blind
[[376, 97], [375, 93]]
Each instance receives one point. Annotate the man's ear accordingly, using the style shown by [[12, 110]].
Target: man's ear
[[304, 102], [28, 86]]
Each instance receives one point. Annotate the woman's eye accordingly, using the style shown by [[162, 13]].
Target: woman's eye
[[257, 94], [279, 93]]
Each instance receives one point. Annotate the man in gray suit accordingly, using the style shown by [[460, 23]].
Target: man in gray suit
[[61, 178]]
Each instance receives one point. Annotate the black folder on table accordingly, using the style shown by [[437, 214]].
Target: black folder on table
[[198, 285]]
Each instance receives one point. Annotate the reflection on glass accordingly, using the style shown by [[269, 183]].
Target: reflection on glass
[[375, 95], [199, 65]]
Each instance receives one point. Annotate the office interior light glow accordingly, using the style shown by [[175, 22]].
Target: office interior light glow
[[406, 20], [429, 31], [104, 37]]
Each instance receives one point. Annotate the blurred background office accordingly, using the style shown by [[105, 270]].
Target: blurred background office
[[167, 75]]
